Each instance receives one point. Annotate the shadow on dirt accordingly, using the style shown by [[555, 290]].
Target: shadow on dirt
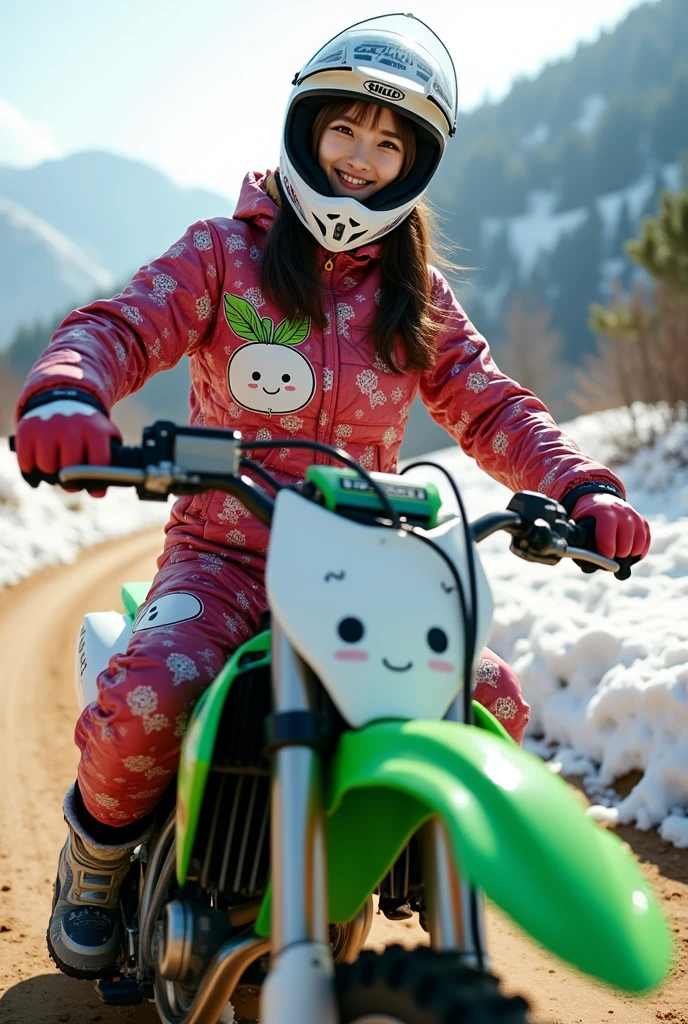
[[57, 999], [648, 847]]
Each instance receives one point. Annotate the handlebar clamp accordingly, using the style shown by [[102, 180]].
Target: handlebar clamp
[[543, 533]]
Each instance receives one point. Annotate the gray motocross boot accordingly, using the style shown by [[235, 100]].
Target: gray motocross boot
[[85, 931]]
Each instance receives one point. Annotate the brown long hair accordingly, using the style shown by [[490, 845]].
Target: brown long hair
[[291, 278]]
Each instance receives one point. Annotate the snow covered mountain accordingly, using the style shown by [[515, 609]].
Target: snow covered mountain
[[543, 188], [121, 212], [41, 270]]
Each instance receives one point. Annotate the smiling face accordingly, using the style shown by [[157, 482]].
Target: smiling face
[[352, 630], [270, 378], [362, 149], [374, 611]]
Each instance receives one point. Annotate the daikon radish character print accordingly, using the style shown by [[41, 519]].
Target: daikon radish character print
[[374, 611], [268, 374]]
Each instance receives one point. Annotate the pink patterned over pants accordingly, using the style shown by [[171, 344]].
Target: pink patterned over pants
[[130, 738]]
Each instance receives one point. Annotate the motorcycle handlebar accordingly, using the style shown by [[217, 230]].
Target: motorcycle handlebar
[[583, 536], [159, 482], [540, 540], [123, 456]]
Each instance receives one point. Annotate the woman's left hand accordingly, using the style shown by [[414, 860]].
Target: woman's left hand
[[620, 531]]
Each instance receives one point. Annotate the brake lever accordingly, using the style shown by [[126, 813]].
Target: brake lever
[[585, 538]]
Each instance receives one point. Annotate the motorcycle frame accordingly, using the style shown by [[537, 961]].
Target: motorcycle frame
[[486, 803], [299, 986]]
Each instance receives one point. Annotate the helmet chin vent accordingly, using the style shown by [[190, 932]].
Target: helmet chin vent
[[354, 223], [333, 216], [359, 234], [320, 225]]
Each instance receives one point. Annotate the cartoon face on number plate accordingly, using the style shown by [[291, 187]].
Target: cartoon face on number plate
[[167, 610], [374, 611], [267, 374]]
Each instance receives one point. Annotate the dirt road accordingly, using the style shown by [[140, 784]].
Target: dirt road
[[39, 621]]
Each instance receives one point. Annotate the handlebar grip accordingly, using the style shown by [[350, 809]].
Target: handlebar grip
[[121, 456], [35, 477], [125, 456], [582, 535]]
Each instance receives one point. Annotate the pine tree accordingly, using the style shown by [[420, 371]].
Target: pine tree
[[662, 248]]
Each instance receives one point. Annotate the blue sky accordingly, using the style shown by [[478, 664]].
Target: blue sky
[[198, 90]]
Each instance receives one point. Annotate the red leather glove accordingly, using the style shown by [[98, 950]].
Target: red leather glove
[[63, 433], [620, 531]]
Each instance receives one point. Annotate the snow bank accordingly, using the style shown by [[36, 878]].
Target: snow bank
[[46, 526], [603, 663]]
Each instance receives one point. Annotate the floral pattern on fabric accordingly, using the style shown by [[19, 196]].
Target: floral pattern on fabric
[[163, 285], [149, 713], [367, 383], [132, 314], [202, 240], [235, 243], [204, 307], [500, 443], [345, 312], [120, 343]]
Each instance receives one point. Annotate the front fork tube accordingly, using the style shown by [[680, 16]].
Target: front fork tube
[[453, 908], [299, 988]]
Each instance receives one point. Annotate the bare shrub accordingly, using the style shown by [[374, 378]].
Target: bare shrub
[[10, 387], [642, 357], [531, 351]]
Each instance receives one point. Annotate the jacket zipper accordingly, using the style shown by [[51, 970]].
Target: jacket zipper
[[324, 434]]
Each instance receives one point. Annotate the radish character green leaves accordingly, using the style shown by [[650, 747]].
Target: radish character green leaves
[[267, 374]]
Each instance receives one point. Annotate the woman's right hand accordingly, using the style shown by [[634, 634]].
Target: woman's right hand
[[62, 433]]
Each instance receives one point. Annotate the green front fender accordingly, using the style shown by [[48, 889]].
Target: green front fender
[[516, 830]]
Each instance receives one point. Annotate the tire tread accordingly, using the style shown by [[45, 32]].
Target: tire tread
[[423, 986]]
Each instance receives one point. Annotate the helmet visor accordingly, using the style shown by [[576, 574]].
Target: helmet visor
[[401, 43]]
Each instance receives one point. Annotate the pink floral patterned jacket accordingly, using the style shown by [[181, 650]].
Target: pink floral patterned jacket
[[255, 371]]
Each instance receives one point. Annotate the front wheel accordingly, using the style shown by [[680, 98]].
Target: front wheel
[[421, 986]]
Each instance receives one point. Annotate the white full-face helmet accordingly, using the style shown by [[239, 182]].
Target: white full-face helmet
[[394, 60]]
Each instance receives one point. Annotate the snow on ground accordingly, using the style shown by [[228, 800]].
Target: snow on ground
[[46, 525], [604, 664]]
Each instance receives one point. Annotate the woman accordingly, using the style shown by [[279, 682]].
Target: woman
[[312, 313]]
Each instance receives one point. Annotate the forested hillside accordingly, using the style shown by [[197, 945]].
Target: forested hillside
[[537, 193], [542, 189]]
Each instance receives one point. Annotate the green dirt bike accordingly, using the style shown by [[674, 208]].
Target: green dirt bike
[[339, 753]]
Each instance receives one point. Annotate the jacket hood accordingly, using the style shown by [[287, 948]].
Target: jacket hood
[[254, 204]]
